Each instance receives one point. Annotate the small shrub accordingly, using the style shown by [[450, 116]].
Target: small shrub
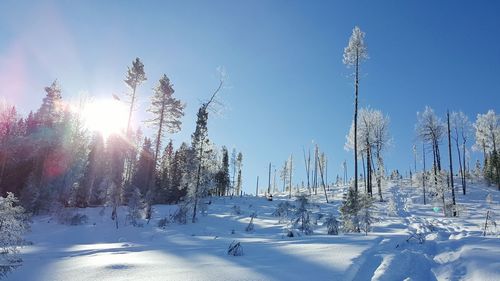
[[332, 225], [235, 249], [162, 223], [236, 210], [250, 227], [180, 215], [79, 219], [283, 210]]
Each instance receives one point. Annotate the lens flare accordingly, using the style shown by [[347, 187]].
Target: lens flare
[[105, 116]]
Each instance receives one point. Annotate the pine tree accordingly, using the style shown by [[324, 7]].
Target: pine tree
[[350, 212], [116, 147], [135, 77], [222, 176], [93, 175], [164, 179], [51, 110], [199, 143], [144, 173], [167, 112]]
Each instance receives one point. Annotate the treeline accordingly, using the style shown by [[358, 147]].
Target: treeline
[[49, 159]]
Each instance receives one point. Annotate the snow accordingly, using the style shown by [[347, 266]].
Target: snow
[[414, 243]]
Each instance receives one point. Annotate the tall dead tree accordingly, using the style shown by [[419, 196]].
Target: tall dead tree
[[451, 165], [199, 137], [354, 54]]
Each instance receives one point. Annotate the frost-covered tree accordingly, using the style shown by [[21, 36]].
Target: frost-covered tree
[[462, 129], [239, 163], [199, 143], [430, 130], [487, 138], [302, 216], [354, 54], [88, 189], [332, 225], [349, 211], [373, 131], [365, 218], [222, 176], [116, 147], [13, 225]]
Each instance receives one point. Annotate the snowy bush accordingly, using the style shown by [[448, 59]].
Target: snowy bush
[[489, 199], [70, 216], [349, 212], [392, 209], [250, 227], [302, 216], [180, 215], [283, 210], [13, 224], [366, 218], [78, 219], [236, 210], [490, 225], [332, 225], [235, 249], [136, 207], [162, 223]]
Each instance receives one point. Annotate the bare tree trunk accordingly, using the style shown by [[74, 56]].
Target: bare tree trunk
[[369, 169], [364, 172], [451, 166], [356, 125], [464, 185], [461, 170], [269, 180], [307, 163], [257, 188], [322, 180], [315, 176], [291, 169], [424, 172], [198, 179]]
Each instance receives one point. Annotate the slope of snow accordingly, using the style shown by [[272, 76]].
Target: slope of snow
[[417, 244]]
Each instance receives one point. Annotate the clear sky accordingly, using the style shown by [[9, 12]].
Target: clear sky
[[286, 84]]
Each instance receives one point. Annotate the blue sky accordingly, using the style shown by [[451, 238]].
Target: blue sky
[[286, 84]]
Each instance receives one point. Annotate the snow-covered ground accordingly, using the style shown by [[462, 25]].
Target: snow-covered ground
[[414, 243]]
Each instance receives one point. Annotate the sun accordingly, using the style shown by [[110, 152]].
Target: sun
[[106, 116]]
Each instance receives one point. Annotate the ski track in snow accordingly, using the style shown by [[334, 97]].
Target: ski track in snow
[[417, 244]]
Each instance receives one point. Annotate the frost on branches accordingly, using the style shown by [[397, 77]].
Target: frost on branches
[[13, 224]]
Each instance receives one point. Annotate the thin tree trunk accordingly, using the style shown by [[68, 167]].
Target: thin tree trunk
[[364, 172], [291, 169], [307, 163], [356, 84], [269, 180], [451, 166], [424, 172], [322, 180], [257, 188], [461, 171], [198, 178], [464, 185]]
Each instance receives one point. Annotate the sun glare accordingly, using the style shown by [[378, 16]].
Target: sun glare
[[105, 116]]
